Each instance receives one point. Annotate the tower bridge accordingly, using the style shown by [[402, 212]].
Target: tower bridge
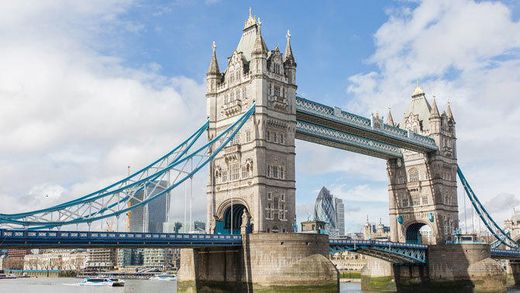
[[254, 118]]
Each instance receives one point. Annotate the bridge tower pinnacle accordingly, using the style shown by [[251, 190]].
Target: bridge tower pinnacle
[[252, 182], [423, 186]]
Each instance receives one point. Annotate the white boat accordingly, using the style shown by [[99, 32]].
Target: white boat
[[102, 282], [164, 277]]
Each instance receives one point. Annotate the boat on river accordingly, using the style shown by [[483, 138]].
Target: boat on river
[[102, 282], [164, 277]]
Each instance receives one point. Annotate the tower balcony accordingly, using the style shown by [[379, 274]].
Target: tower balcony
[[232, 153], [232, 108], [278, 103]]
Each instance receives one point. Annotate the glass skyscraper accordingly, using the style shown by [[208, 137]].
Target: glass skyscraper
[[330, 210], [151, 218]]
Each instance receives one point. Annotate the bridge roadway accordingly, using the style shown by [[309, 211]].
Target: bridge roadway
[[389, 251]]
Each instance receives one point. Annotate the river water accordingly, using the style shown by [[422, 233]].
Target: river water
[[67, 285]]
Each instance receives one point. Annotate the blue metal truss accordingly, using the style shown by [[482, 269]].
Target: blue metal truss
[[327, 136], [121, 197], [75, 239], [390, 251], [502, 236], [336, 118], [505, 254]]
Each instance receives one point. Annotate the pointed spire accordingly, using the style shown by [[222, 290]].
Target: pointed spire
[[259, 47], [389, 118], [250, 21], [435, 110], [288, 54], [448, 112], [418, 91], [213, 65]]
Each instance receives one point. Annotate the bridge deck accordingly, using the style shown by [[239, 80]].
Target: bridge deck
[[72, 239], [390, 251]]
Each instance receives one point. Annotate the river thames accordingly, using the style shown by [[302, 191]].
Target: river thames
[[66, 285]]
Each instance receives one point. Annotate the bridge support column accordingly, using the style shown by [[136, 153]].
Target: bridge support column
[[266, 261], [513, 273], [465, 268], [378, 275], [216, 268]]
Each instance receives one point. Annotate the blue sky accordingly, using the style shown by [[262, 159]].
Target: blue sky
[[331, 44], [331, 40], [88, 88]]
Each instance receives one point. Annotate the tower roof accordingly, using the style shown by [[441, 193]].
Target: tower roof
[[448, 112], [419, 106], [417, 92], [250, 33], [213, 65], [435, 110], [259, 46], [250, 21], [389, 118], [288, 54]]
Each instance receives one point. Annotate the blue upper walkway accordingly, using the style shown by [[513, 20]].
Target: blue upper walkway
[[332, 126]]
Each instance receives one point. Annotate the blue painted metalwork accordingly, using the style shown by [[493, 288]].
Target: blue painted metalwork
[[389, 251], [127, 182], [430, 217], [76, 239], [500, 234], [400, 219], [505, 253], [311, 132], [99, 206], [390, 134]]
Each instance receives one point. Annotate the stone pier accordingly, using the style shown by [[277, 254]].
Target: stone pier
[[378, 275], [513, 272], [281, 262], [450, 268]]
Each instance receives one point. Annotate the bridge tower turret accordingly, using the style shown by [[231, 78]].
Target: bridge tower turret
[[423, 187], [252, 180]]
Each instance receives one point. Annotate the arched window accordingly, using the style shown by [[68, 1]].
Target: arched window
[[413, 173]]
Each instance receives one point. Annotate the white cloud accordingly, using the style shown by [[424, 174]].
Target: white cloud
[[464, 51], [322, 159], [74, 117]]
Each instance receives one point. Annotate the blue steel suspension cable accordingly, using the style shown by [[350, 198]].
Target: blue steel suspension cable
[[240, 122], [506, 234], [483, 214], [97, 194], [234, 128]]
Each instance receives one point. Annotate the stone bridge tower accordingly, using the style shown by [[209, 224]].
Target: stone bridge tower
[[252, 181], [423, 187]]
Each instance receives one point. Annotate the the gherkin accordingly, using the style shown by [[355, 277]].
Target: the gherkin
[[324, 208]]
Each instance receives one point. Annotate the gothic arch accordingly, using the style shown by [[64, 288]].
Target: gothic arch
[[412, 231], [227, 203]]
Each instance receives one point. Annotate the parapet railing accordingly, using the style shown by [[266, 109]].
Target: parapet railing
[[80, 236], [376, 243]]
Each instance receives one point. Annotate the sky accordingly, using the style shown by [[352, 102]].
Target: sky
[[88, 88]]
